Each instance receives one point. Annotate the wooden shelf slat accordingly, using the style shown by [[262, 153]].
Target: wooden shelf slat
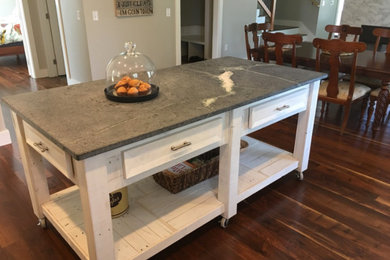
[[260, 165], [156, 218]]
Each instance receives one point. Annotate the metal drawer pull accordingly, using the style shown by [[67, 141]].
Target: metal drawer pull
[[175, 148], [41, 147], [282, 108]]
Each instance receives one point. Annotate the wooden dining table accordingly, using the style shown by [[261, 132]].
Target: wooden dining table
[[368, 65]]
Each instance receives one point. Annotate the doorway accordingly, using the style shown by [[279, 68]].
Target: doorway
[[58, 59], [41, 36], [198, 30]]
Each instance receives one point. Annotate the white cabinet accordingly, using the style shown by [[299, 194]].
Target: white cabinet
[[152, 157]]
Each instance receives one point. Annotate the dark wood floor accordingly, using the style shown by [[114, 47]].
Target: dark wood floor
[[341, 210]]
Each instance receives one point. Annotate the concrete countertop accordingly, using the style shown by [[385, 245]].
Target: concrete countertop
[[80, 120]]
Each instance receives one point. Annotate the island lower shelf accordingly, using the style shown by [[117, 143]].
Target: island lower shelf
[[157, 218], [260, 165]]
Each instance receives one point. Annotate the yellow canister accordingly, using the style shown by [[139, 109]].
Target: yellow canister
[[119, 202]]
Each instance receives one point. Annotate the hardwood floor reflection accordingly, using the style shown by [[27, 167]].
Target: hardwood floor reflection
[[340, 210]]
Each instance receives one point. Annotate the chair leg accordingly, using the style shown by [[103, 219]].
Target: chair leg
[[323, 103], [383, 119], [347, 109], [370, 110], [364, 107]]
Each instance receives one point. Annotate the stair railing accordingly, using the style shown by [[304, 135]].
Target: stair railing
[[269, 11]]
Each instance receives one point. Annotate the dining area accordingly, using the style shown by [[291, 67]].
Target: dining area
[[356, 59]]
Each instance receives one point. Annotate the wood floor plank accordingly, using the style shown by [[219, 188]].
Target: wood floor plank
[[269, 231], [343, 210], [355, 186], [210, 242], [323, 230]]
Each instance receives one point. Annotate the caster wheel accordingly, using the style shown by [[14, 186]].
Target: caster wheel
[[224, 222], [299, 175], [42, 223]]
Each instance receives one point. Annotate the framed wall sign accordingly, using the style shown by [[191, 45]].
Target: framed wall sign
[[133, 7]]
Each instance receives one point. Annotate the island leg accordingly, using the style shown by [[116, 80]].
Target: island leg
[[93, 184], [304, 132], [229, 166], [34, 171]]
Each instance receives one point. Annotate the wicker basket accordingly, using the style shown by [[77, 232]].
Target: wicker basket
[[178, 182], [175, 183]]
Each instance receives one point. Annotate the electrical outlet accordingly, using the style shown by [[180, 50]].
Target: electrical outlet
[[95, 15], [168, 12], [226, 47], [78, 16]]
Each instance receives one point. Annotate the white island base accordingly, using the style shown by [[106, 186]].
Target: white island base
[[157, 218]]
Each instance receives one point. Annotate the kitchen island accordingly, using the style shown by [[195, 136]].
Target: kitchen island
[[102, 146]]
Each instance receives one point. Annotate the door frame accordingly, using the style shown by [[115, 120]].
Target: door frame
[[29, 40], [216, 49], [339, 13], [55, 36], [47, 38], [29, 43]]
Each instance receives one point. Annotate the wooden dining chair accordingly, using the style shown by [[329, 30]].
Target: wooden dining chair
[[281, 41], [343, 31], [333, 90], [254, 52], [379, 33]]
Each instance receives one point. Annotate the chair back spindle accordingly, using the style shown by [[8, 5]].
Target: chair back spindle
[[381, 33], [280, 40], [343, 31], [254, 52]]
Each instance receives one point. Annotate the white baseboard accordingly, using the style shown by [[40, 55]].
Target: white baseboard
[[40, 73], [5, 138], [72, 81]]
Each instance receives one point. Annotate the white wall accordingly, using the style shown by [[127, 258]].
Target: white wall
[[298, 10], [235, 15], [74, 41], [154, 35], [327, 15], [7, 8]]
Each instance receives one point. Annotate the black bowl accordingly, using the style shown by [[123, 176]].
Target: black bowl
[[110, 95]]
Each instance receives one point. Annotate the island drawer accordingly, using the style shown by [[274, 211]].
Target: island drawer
[[50, 151], [150, 158], [278, 108]]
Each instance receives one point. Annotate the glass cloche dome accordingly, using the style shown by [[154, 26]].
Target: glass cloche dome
[[130, 64]]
